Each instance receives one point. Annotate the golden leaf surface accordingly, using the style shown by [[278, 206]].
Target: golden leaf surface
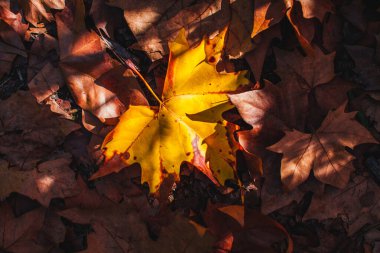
[[188, 124]]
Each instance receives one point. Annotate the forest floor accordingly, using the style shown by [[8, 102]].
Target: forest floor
[[293, 164]]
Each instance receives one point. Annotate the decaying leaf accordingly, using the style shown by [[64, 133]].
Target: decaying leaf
[[187, 126], [323, 151]]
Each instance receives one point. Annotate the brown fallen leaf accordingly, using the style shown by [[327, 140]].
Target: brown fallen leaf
[[260, 108], [161, 22], [357, 204], [30, 131], [316, 8], [46, 82], [266, 14], [44, 50], [332, 32], [13, 20], [304, 28], [261, 44], [123, 226], [19, 234], [323, 151], [249, 230], [365, 66], [331, 95], [10, 46], [189, 237], [36, 11], [369, 103], [51, 179], [299, 75], [88, 70], [106, 17]]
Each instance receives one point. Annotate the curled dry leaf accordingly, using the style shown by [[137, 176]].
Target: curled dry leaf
[[13, 20], [36, 11], [31, 131], [88, 69], [316, 8], [51, 179], [323, 151], [187, 126], [266, 14]]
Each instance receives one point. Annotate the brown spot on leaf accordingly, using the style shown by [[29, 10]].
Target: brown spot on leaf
[[211, 59]]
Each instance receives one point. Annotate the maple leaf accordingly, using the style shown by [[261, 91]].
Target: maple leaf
[[187, 126], [300, 75], [323, 151]]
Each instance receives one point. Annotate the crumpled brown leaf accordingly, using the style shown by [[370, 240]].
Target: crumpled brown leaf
[[30, 131], [88, 69], [36, 11], [13, 20]]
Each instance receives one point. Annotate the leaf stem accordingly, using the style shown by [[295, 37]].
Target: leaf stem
[[146, 84]]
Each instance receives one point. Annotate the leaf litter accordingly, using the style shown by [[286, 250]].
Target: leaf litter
[[262, 136]]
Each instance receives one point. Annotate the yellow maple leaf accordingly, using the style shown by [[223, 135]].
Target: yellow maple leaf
[[187, 125]]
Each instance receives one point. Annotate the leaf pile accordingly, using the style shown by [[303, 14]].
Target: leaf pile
[[189, 126]]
